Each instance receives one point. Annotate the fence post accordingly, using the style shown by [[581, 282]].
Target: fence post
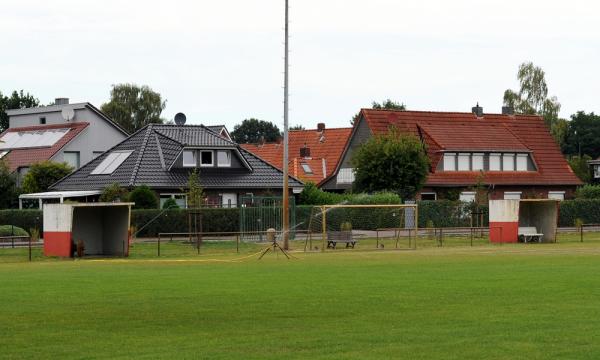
[[237, 242], [30, 248], [158, 248], [581, 232], [471, 236]]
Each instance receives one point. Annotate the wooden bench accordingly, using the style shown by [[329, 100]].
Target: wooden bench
[[334, 237], [529, 234]]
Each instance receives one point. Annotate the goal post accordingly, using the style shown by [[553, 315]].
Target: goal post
[[371, 226]]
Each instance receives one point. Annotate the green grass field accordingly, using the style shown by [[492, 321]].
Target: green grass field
[[455, 302]]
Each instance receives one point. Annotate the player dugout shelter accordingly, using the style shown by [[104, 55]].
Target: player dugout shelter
[[102, 227], [507, 216]]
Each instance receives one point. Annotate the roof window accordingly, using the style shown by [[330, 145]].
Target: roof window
[[111, 162], [306, 168]]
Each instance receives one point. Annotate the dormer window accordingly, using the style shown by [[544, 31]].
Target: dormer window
[[223, 158], [206, 158], [449, 162], [189, 158]]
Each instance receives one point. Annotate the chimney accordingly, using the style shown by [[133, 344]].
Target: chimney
[[508, 110], [321, 127], [477, 110], [305, 151], [61, 101]]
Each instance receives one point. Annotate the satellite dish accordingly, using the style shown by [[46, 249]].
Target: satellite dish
[[180, 119], [68, 113]]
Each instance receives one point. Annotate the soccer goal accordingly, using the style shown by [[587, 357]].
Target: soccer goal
[[365, 226]]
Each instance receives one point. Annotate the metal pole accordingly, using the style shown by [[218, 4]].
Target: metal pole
[[323, 228], [286, 195]]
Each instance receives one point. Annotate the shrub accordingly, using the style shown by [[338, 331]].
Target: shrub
[[588, 192], [170, 203], [10, 230], [144, 198], [113, 193], [588, 210], [43, 174]]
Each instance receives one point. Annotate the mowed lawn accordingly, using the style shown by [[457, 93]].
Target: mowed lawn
[[492, 302]]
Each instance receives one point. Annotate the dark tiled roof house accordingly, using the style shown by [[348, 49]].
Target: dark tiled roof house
[[514, 155], [162, 156]]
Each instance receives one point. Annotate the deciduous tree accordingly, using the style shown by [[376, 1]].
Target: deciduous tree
[[17, 100], [394, 162], [254, 131], [43, 174], [388, 104], [134, 107]]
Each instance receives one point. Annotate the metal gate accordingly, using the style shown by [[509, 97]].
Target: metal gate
[[259, 213]]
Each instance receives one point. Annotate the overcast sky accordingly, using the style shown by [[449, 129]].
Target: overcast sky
[[222, 61]]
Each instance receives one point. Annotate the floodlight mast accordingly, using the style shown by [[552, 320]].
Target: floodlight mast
[[285, 205]]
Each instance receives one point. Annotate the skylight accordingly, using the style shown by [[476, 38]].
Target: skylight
[[111, 162], [306, 168], [30, 139]]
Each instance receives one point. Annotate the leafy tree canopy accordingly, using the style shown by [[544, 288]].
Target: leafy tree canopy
[[134, 107], [297, 127], [43, 174], [17, 100], [114, 193], [583, 135], [532, 97], [254, 131], [8, 187], [394, 162], [195, 193], [144, 198], [388, 104], [581, 168]]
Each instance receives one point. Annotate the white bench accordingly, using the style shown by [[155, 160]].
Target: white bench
[[529, 234]]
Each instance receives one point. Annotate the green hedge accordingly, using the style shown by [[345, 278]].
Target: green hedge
[[150, 223], [447, 213], [26, 219], [442, 213], [588, 210]]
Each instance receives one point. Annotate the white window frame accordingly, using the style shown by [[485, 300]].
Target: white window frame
[[467, 196], [556, 195], [512, 195], [464, 162], [508, 162], [429, 193], [449, 161], [522, 166], [477, 162], [227, 154], [212, 158], [189, 164], [498, 162], [596, 171]]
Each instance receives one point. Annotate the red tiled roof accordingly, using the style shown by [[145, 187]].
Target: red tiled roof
[[465, 131], [24, 157], [324, 147]]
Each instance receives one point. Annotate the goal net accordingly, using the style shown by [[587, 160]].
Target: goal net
[[362, 226]]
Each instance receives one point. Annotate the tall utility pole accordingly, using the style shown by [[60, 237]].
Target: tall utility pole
[[286, 194]]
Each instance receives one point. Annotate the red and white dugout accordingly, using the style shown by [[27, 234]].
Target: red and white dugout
[[506, 216], [103, 228]]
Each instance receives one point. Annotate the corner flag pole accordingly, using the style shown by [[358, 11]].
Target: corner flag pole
[[286, 210]]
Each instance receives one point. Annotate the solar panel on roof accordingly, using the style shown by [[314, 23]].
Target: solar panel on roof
[[111, 162], [30, 139]]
